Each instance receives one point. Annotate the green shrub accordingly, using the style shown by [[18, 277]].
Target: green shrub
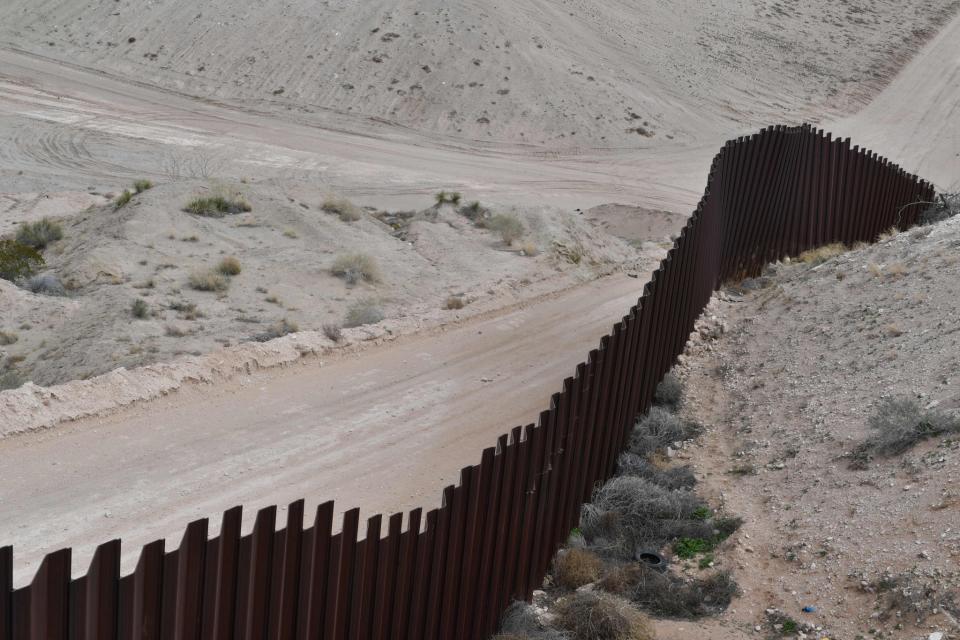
[[508, 227], [39, 234], [362, 312], [219, 203], [18, 260], [123, 199], [354, 267], [445, 197], [139, 309], [142, 185], [687, 548]]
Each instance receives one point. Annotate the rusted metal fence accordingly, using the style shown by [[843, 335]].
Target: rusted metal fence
[[450, 573]]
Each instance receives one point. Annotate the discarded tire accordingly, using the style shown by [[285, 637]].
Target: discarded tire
[[652, 559]]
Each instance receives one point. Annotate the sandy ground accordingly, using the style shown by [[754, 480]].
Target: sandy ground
[[81, 119], [787, 391], [575, 74]]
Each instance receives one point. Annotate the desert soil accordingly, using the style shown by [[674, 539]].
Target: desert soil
[[83, 117], [793, 366]]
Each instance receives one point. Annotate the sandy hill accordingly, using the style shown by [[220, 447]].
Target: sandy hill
[[561, 73]]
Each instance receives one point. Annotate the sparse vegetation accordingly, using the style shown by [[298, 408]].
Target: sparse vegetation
[[598, 616], [822, 254], [229, 266], [142, 185], [123, 199], [11, 379], [219, 203], [530, 249], [208, 280], [454, 302], [276, 330], [18, 260], [363, 312], [447, 197], [574, 568], [668, 594], [900, 423], [346, 210], [356, 267], [139, 308], [333, 331], [947, 207], [7, 338], [39, 234], [46, 284], [475, 212], [507, 226]]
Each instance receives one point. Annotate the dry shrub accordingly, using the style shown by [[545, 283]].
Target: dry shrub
[[668, 477], [362, 312], [530, 249], [221, 202], [822, 254], [593, 616], [276, 330], [507, 226], [208, 280], [670, 595], [658, 429], [574, 568], [333, 331], [669, 392], [229, 266], [356, 267], [39, 234], [46, 284], [947, 207], [346, 210], [629, 513], [7, 338], [453, 303], [900, 423]]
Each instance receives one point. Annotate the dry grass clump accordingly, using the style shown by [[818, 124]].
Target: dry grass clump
[[445, 197], [208, 280], [219, 203], [7, 338], [574, 568], [475, 212], [822, 254], [593, 616], [363, 312], [530, 249], [346, 210], [276, 330], [123, 199], [900, 423], [507, 226], [11, 379], [658, 429], [520, 621], [39, 234], [670, 595], [229, 266], [453, 303], [142, 185], [356, 267]]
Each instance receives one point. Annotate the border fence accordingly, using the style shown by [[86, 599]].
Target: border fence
[[450, 573]]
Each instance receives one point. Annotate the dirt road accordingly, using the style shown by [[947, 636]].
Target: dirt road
[[385, 430]]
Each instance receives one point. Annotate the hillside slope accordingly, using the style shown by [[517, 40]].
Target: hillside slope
[[559, 73]]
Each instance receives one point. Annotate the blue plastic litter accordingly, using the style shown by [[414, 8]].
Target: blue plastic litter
[[809, 609]]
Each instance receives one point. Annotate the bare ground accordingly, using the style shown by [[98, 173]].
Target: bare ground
[[787, 390]]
